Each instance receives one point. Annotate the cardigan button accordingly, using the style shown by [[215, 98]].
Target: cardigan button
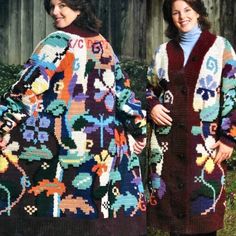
[[194, 58], [181, 156], [184, 91], [181, 185], [181, 215], [181, 125]]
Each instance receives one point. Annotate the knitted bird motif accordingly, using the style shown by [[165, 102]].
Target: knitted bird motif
[[71, 204], [50, 187]]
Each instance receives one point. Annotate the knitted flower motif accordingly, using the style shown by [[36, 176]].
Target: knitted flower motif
[[102, 159], [161, 73], [227, 126], [229, 70], [206, 155], [7, 154], [3, 164], [208, 87], [121, 143], [208, 162], [158, 186], [106, 92], [232, 131], [32, 129], [39, 85], [225, 123]]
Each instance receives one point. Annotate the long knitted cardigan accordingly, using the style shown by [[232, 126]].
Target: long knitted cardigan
[[67, 168], [187, 189]]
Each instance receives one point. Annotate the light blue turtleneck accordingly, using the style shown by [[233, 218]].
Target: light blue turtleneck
[[188, 40]]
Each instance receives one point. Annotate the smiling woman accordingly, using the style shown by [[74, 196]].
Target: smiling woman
[[184, 17], [62, 14], [79, 12], [66, 163], [191, 102]]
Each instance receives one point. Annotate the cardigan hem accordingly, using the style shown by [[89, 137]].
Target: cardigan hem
[[193, 225], [44, 226]]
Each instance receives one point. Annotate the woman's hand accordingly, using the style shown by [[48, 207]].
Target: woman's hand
[[223, 152], [159, 115], [139, 146]]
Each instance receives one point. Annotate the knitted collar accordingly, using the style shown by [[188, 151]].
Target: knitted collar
[[73, 29]]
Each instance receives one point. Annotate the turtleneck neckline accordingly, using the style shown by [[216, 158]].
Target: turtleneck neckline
[[187, 40], [191, 35]]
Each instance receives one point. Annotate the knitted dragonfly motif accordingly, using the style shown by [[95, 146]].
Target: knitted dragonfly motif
[[99, 123]]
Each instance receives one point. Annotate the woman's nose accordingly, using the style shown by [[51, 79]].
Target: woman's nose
[[181, 15], [54, 11]]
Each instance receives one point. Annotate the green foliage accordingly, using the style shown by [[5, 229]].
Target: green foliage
[[231, 190], [230, 215], [136, 71], [8, 76], [231, 163]]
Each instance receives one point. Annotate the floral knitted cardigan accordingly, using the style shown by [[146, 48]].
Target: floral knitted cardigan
[[187, 190], [67, 156]]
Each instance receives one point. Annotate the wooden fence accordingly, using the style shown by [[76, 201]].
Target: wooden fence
[[124, 25], [23, 23], [133, 27]]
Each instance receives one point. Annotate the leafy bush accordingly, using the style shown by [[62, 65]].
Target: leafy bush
[[8, 76], [137, 72], [231, 163]]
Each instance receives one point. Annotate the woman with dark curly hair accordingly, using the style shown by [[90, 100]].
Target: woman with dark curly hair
[[67, 167], [191, 104], [86, 19]]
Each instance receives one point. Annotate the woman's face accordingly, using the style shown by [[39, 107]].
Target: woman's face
[[62, 14], [183, 15]]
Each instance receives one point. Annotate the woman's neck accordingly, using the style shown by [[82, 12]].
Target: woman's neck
[[190, 36], [187, 40]]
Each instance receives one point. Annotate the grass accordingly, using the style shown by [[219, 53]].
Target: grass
[[230, 215]]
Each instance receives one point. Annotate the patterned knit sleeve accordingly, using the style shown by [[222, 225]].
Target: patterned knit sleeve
[[228, 109], [23, 98], [154, 89], [129, 109]]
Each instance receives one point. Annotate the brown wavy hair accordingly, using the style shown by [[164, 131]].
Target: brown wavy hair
[[87, 18], [197, 5]]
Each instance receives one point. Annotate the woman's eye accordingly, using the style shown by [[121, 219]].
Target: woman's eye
[[62, 5]]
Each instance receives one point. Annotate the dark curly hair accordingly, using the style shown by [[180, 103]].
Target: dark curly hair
[[87, 18], [197, 5]]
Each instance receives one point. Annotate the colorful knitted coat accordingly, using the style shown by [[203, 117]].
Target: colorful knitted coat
[[187, 190], [67, 156]]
